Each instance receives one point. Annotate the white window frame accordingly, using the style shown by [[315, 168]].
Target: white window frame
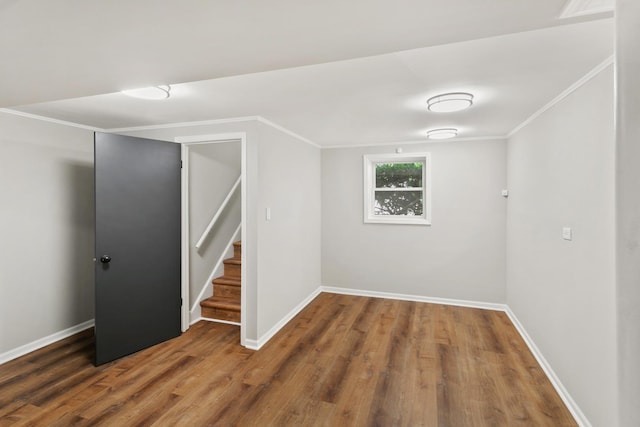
[[370, 160]]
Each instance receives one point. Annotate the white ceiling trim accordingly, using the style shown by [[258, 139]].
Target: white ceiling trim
[[213, 138], [217, 122], [287, 131], [184, 124], [164, 126], [578, 84], [418, 141], [582, 81], [50, 120]]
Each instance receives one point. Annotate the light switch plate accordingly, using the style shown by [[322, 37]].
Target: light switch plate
[[566, 233]]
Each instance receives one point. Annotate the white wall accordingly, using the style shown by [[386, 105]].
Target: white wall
[[628, 207], [213, 170], [46, 229], [289, 244], [460, 256], [561, 174]]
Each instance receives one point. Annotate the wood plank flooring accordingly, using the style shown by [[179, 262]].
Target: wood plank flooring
[[343, 361]]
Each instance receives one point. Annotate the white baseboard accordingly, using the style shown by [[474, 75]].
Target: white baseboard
[[195, 314], [43, 342], [257, 344], [417, 298], [226, 322], [573, 407]]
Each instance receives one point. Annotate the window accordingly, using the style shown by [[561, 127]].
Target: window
[[396, 188]]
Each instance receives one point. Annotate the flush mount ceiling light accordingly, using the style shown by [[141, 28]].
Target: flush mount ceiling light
[[151, 92], [448, 102], [444, 133]]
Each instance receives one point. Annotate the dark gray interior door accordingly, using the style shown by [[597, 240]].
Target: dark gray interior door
[[138, 291]]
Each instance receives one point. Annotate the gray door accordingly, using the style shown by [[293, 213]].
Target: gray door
[[137, 270]]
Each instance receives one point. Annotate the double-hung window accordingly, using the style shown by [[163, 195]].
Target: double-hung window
[[397, 188]]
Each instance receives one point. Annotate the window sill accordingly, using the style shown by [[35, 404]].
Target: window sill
[[406, 221]]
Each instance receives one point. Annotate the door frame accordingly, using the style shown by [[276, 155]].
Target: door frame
[[186, 142]]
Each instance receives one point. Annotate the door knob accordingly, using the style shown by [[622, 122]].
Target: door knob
[[105, 259]]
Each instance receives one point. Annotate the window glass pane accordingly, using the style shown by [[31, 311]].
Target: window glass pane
[[407, 203], [398, 175]]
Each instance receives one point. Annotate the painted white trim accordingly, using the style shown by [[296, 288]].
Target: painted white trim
[[221, 258], [214, 138], [287, 131], [211, 138], [185, 124], [416, 298], [573, 407], [257, 344], [184, 234], [218, 138], [242, 137], [50, 120], [246, 260], [213, 221], [419, 141], [578, 84], [190, 139], [369, 188], [226, 322], [43, 342], [251, 344]]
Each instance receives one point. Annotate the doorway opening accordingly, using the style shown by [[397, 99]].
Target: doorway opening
[[213, 218]]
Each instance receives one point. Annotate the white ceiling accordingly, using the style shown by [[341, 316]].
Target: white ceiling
[[368, 100], [51, 50]]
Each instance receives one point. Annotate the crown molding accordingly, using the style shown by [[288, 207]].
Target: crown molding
[[184, 124], [581, 82], [577, 85], [419, 141], [163, 126], [50, 120], [287, 131], [217, 122]]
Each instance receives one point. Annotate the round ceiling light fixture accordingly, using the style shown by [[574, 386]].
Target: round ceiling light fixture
[[151, 92], [444, 133], [449, 102]]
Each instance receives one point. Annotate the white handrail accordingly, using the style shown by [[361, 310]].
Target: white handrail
[[218, 213], [223, 255]]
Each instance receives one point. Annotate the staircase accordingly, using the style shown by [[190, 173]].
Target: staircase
[[225, 302]]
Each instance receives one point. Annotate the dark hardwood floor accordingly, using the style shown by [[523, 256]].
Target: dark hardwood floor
[[343, 361]]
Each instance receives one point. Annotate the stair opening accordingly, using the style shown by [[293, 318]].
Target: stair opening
[[225, 303]]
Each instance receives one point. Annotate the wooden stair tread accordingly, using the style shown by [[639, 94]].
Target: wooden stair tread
[[226, 280], [221, 303], [225, 302]]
